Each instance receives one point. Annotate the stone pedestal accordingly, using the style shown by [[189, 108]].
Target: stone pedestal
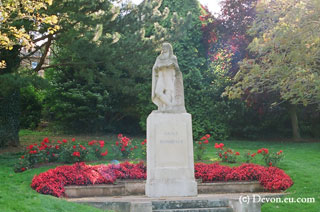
[[170, 163]]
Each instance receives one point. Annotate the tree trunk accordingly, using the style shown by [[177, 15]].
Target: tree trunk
[[294, 122], [9, 119]]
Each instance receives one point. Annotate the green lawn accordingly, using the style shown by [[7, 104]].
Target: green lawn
[[301, 162]]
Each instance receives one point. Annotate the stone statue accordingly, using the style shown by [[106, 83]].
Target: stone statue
[[167, 82]]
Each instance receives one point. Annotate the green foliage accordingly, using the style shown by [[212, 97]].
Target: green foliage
[[286, 45], [74, 104], [31, 107]]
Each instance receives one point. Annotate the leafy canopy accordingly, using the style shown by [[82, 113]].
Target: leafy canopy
[[287, 49]]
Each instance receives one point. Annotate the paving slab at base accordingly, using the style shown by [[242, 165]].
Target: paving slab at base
[[200, 203]]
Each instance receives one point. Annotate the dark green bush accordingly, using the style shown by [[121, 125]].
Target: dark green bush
[[31, 107]]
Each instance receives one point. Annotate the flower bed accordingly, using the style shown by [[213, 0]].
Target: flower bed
[[271, 178], [53, 181]]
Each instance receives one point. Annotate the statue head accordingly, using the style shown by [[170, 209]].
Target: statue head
[[167, 51]]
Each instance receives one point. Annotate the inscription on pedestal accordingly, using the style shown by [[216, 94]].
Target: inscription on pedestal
[[171, 145]]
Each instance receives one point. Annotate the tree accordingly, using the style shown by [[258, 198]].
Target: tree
[[20, 21], [100, 69], [286, 46]]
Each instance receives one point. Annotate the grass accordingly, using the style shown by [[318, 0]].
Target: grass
[[301, 162]]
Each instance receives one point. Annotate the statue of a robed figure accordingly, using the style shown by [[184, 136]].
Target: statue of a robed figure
[[170, 165], [167, 82]]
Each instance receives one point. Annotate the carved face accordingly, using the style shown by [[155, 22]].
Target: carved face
[[166, 50]]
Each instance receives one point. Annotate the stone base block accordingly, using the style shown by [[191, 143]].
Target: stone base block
[[170, 165]]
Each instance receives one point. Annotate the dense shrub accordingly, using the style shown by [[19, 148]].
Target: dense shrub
[[31, 107], [60, 151]]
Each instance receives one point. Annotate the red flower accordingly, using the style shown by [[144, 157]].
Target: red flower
[[104, 153], [122, 149], [254, 154], [90, 143], [23, 169], [30, 147], [200, 142], [74, 146], [207, 136], [101, 144], [64, 141], [46, 140], [131, 149], [143, 143], [266, 151], [59, 142], [120, 136], [73, 139], [225, 156], [280, 151], [77, 154], [57, 146], [203, 138], [125, 141], [259, 151], [82, 147], [53, 155], [135, 147], [117, 143], [270, 164], [206, 142], [22, 157], [237, 153]]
